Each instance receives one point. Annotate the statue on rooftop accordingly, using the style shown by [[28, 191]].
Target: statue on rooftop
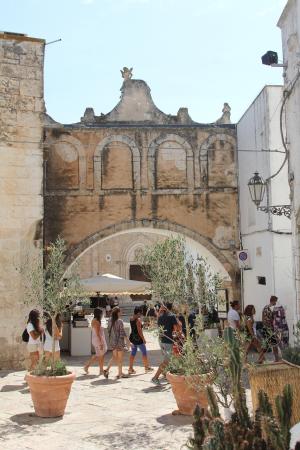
[[126, 73], [225, 118]]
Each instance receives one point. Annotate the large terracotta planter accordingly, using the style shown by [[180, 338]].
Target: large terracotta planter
[[188, 392], [50, 394]]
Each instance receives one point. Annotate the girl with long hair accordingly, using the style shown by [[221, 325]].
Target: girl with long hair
[[98, 341], [250, 334], [118, 340], [49, 333], [35, 332]]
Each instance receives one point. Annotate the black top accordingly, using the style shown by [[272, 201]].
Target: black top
[[167, 321], [134, 337]]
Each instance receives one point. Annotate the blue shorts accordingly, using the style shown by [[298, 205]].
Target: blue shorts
[[142, 348]]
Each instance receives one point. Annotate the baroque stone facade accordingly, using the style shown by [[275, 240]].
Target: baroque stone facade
[[119, 176], [21, 176]]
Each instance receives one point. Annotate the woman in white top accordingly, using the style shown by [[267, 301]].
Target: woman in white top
[[49, 338], [233, 317], [35, 332], [98, 341]]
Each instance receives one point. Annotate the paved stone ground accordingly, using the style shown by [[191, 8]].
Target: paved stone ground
[[105, 414]]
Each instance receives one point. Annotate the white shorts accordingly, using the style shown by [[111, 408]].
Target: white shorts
[[32, 348]]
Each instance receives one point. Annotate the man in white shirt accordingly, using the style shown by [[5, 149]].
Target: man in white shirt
[[233, 316]]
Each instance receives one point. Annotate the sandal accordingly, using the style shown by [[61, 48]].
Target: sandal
[[86, 369], [122, 376], [105, 373], [131, 371]]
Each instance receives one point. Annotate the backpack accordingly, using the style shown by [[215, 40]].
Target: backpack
[[25, 336]]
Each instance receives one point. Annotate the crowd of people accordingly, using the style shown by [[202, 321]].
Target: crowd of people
[[272, 334]]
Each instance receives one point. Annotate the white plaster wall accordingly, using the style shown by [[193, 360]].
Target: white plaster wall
[[289, 23], [265, 236]]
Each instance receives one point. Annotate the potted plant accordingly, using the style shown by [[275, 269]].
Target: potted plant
[[45, 285], [189, 284]]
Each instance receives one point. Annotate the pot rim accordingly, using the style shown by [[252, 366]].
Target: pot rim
[[186, 377], [70, 375]]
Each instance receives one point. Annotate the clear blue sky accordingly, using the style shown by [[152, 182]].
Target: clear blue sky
[[193, 53]]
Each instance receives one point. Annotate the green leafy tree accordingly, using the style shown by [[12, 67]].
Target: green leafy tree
[[45, 284], [188, 283]]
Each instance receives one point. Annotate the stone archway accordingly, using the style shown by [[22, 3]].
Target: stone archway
[[208, 248]]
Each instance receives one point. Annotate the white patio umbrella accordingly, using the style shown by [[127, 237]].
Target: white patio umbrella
[[108, 284]]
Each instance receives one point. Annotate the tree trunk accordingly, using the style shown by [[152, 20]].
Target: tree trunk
[[53, 342]]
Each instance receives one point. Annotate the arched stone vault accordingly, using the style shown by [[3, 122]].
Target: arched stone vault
[[74, 252]]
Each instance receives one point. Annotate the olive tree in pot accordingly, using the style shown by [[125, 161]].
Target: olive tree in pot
[[44, 285], [188, 284]]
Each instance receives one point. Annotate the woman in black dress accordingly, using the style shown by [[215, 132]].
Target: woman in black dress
[[138, 341]]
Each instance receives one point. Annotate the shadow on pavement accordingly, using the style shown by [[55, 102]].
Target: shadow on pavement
[[177, 420], [13, 387], [32, 419], [85, 377], [153, 389], [104, 382]]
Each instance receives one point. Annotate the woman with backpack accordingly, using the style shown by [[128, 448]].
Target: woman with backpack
[[118, 340], [49, 333], [35, 332], [98, 341], [138, 341]]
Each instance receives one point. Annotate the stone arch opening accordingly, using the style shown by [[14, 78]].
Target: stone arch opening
[[222, 149], [65, 163], [170, 163], [101, 153], [148, 229]]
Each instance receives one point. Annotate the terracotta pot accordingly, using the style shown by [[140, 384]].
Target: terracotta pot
[[50, 394], [188, 392]]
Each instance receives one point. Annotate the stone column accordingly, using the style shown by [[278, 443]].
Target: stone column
[[21, 180]]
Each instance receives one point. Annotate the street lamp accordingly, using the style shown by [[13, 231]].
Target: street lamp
[[257, 187]]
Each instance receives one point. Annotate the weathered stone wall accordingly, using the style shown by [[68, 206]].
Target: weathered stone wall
[[184, 178], [21, 173]]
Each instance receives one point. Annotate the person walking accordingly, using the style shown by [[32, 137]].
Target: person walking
[[118, 340], [168, 324], [49, 338], [98, 341], [233, 317], [35, 331], [138, 341], [269, 332], [251, 338]]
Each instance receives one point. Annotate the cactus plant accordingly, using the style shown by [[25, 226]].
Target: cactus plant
[[263, 432]]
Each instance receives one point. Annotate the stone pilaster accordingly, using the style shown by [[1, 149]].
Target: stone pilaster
[[21, 179]]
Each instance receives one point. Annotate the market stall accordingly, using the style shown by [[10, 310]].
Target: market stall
[[106, 284]]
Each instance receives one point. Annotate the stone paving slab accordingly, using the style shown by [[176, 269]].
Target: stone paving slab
[[103, 414]]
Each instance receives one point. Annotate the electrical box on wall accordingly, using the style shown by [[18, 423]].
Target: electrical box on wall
[[244, 259]]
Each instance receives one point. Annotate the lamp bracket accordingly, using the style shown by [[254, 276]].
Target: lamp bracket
[[278, 210]]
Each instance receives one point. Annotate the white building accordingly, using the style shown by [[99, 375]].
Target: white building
[[289, 23], [267, 237]]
